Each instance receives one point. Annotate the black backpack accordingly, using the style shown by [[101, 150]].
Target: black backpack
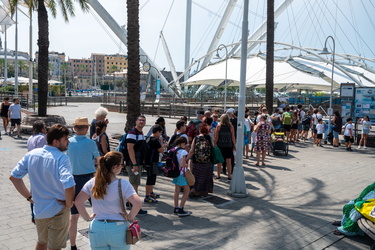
[[171, 143], [172, 166]]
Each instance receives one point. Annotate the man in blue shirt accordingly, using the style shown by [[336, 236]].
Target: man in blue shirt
[[82, 153], [52, 186]]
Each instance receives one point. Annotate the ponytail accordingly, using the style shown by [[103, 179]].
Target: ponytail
[[99, 127], [104, 173]]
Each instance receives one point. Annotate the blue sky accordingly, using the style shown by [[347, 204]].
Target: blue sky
[[306, 23]]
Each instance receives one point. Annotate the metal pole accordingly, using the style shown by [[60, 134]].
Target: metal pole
[[238, 185], [16, 59], [30, 57], [187, 39], [330, 110], [5, 57]]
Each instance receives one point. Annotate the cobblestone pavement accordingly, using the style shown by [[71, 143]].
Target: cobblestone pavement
[[292, 200]]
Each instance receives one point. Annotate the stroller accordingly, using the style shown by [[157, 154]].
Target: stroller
[[278, 142]]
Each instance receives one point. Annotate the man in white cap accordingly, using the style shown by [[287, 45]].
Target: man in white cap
[[83, 153]]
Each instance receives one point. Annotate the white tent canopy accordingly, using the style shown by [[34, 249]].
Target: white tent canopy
[[284, 74]]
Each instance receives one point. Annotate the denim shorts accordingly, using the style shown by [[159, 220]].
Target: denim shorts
[[335, 134], [107, 235], [365, 131]]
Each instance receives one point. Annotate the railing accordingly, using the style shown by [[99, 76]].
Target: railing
[[30, 102]]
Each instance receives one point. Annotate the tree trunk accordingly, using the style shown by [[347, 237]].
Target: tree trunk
[[270, 54], [133, 94], [43, 44]]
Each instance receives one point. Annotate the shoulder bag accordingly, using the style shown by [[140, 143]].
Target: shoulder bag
[[133, 233]]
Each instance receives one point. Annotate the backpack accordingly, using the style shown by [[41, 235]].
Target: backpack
[[287, 120], [306, 120], [276, 122], [172, 166], [149, 153], [171, 143], [202, 150], [123, 148], [193, 129]]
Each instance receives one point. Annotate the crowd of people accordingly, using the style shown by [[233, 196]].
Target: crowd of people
[[61, 182]]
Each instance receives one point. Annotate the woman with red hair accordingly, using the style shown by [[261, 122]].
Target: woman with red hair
[[201, 155]]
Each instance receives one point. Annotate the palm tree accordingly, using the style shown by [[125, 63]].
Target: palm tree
[[22, 66], [67, 9], [270, 54], [133, 93], [112, 70], [82, 68]]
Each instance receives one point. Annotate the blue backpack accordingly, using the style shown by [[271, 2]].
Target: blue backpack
[[122, 146]]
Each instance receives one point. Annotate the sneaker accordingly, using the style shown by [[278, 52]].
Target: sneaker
[[175, 210], [350, 149], [19, 137], [149, 199], [141, 211], [6, 133], [364, 147], [154, 195], [359, 147], [0, 137], [182, 213]]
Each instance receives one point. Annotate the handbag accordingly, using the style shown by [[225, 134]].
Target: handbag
[[133, 233], [217, 157], [190, 178], [366, 208]]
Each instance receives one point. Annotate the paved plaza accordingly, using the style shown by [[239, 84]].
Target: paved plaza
[[292, 200]]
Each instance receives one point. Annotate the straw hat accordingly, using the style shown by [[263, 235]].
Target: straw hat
[[81, 121]]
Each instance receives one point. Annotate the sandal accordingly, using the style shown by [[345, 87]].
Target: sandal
[[337, 232], [336, 223], [263, 164], [256, 164]]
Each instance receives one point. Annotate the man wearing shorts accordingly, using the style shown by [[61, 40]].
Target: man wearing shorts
[[82, 153], [52, 185], [136, 148], [14, 115]]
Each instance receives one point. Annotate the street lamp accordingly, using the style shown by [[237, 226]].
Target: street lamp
[[238, 185], [222, 46], [325, 52]]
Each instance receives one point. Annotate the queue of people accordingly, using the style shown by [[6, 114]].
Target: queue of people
[[89, 169]]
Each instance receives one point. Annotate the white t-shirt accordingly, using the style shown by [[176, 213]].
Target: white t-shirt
[[180, 154], [247, 124], [316, 117], [109, 208], [348, 127], [15, 111], [301, 115], [320, 128], [366, 125], [183, 135]]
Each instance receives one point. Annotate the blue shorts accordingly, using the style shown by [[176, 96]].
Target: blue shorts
[[365, 131], [335, 134], [80, 181], [107, 235], [180, 181], [299, 127]]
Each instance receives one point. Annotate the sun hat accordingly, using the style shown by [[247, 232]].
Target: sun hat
[[81, 121], [230, 110]]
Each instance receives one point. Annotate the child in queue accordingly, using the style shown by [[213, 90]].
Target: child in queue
[[181, 181], [319, 133]]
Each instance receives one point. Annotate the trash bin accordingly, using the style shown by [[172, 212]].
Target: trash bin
[[52, 93], [70, 93]]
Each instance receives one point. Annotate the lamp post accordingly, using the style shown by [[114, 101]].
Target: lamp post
[[222, 46], [325, 52], [238, 185]]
